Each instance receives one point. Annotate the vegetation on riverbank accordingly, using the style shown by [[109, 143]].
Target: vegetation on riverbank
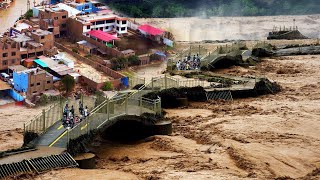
[[182, 8]]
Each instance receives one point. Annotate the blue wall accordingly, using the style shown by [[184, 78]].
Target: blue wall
[[55, 1], [91, 9], [16, 96], [125, 81], [20, 81]]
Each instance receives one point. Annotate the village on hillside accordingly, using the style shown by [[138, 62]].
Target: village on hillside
[[35, 53]]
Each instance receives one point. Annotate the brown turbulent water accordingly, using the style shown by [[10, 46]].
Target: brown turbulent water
[[10, 15]]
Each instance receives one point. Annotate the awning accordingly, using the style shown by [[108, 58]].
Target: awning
[[41, 63], [102, 35], [150, 30], [29, 60]]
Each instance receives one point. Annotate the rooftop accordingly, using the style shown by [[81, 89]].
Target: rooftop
[[41, 32], [17, 68], [102, 35], [21, 38], [34, 44], [87, 44], [98, 16], [21, 26], [150, 30], [61, 7]]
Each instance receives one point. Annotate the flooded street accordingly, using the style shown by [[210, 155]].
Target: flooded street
[[10, 15]]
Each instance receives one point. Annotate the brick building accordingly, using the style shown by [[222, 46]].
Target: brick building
[[32, 81], [44, 37], [9, 53], [53, 20]]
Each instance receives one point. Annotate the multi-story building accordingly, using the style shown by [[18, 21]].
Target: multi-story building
[[21, 46], [9, 53], [32, 81], [46, 38], [84, 6], [105, 22], [53, 20]]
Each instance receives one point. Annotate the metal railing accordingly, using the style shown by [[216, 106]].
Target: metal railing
[[40, 123], [133, 81], [52, 114], [112, 108]]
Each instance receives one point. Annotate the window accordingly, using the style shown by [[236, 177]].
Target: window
[[118, 22], [109, 21], [34, 92], [101, 28], [123, 28], [107, 27], [64, 16], [88, 27], [31, 85], [13, 61], [42, 37], [97, 28], [4, 62], [38, 84], [13, 53], [117, 28], [87, 7], [5, 55], [124, 22], [100, 22], [56, 18], [48, 82]]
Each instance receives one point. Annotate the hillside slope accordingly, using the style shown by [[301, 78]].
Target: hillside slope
[[187, 8]]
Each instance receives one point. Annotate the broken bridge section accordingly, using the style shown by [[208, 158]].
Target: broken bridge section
[[37, 165]]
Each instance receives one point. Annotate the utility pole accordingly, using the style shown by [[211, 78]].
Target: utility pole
[[34, 3], [28, 5]]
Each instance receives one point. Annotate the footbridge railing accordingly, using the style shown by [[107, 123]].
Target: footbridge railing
[[46, 118], [112, 108], [52, 114]]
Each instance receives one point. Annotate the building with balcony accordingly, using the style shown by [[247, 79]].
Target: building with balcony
[[103, 21]]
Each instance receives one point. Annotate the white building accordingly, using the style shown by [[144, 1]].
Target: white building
[[102, 21]]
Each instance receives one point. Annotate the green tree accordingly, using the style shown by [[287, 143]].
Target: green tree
[[134, 60], [107, 86], [68, 83], [29, 14]]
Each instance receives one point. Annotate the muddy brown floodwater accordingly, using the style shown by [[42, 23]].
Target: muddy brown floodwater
[[9, 16], [265, 137]]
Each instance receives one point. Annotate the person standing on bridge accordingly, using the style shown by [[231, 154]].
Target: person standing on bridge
[[66, 110], [72, 110], [80, 107], [85, 112]]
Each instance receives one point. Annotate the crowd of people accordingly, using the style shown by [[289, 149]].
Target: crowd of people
[[189, 63], [69, 118]]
